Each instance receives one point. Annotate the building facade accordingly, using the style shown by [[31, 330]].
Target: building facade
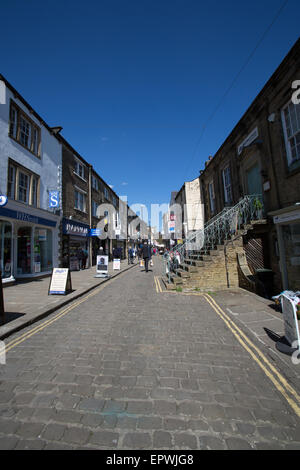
[[30, 186], [261, 157]]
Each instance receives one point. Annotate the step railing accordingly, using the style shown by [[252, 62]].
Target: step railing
[[216, 231]]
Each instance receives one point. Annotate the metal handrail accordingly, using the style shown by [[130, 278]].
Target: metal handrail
[[218, 229]]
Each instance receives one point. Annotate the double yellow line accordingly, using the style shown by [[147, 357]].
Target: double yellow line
[[271, 372], [157, 284], [20, 339]]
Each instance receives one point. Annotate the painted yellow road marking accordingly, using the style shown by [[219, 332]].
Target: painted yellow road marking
[[20, 339], [282, 387]]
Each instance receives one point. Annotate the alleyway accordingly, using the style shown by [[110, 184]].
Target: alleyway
[[130, 367]]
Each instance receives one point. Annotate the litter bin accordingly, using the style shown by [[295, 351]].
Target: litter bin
[[265, 276]]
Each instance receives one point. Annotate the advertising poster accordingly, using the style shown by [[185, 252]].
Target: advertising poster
[[60, 281], [117, 264], [102, 265]]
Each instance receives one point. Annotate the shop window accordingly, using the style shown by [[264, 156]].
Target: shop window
[[5, 249], [42, 250], [24, 251]]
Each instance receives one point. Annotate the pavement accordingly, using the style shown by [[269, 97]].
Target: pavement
[[131, 366], [28, 302]]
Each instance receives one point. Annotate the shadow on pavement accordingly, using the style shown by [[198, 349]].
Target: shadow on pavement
[[10, 316]]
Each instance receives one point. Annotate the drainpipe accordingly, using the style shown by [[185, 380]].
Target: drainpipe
[[90, 215]]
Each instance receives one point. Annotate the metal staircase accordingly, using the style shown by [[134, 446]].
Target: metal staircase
[[204, 245]]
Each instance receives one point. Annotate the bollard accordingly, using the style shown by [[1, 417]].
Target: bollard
[[2, 314]]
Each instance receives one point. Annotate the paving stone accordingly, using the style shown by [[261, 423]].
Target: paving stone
[[8, 443], [162, 440], [30, 430], [92, 420], [91, 404], [53, 432], [140, 407], [164, 407], [237, 413], [76, 435], [211, 443], [173, 424], [137, 440], [149, 422], [104, 439], [67, 416], [234, 443], [185, 440], [8, 426], [213, 412], [189, 408]]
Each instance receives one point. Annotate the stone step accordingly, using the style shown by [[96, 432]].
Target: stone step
[[188, 267], [183, 274]]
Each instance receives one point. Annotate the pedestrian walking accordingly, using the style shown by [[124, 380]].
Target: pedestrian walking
[[85, 256], [130, 255], [146, 255]]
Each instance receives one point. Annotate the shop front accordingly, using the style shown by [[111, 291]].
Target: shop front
[[75, 244], [287, 223], [28, 242]]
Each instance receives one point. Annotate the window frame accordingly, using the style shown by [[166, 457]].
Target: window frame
[[79, 164], [212, 197], [15, 131], [289, 158], [227, 200], [83, 194], [32, 199]]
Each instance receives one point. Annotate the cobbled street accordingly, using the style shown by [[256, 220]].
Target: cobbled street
[[134, 368]]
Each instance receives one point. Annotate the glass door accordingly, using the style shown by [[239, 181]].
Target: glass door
[[24, 250]]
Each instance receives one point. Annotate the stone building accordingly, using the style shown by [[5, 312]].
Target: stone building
[[30, 185], [261, 156]]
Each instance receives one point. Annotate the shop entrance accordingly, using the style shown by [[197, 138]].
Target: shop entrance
[[24, 250]]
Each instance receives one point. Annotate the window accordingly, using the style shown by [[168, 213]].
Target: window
[[106, 193], [22, 185], [80, 203], [212, 197], [23, 129], [114, 201], [227, 185], [95, 183], [23, 188], [79, 169], [11, 183], [291, 127], [94, 209]]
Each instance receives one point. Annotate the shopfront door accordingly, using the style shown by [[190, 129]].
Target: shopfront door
[[24, 251]]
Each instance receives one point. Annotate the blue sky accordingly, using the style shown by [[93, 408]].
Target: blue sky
[[133, 82]]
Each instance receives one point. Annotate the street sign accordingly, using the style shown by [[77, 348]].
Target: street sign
[[60, 282], [3, 200], [54, 199], [95, 232]]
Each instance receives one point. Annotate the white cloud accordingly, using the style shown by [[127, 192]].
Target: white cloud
[[111, 186], [124, 183]]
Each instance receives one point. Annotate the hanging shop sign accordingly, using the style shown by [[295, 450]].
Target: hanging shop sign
[[102, 266], [53, 199], [117, 264], [60, 282], [3, 200]]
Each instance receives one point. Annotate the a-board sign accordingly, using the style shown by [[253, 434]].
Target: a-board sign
[[2, 315], [117, 264], [74, 263], [291, 330], [60, 281], [102, 265]]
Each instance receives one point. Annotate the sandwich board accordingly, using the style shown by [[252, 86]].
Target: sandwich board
[[102, 266], [60, 282]]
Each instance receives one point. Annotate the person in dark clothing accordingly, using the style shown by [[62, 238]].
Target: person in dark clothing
[[130, 256], [146, 254]]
